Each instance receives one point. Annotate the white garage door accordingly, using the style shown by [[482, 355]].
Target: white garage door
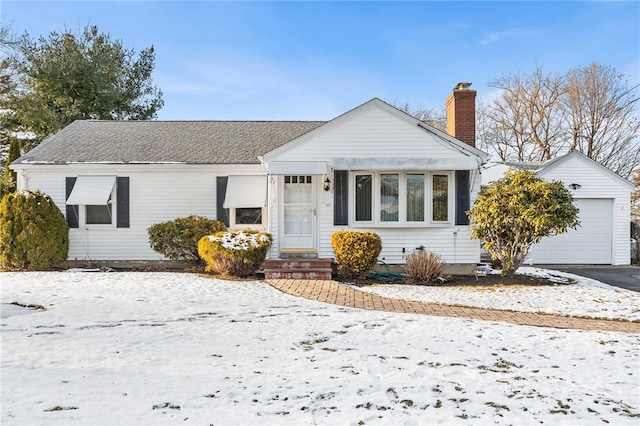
[[589, 244]]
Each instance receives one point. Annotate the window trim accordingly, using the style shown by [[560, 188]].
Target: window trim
[[402, 206]]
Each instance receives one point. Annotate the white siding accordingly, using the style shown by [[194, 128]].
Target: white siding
[[396, 243], [373, 134], [597, 183], [155, 196]]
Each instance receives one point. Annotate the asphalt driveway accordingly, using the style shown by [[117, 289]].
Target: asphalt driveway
[[627, 277]]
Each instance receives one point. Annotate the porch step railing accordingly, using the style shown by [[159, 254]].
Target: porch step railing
[[298, 269]]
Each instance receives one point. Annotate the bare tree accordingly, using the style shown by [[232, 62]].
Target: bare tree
[[635, 216], [540, 116], [8, 45], [524, 122], [602, 120], [434, 117]]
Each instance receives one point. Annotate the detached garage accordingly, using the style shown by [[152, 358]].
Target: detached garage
[[603, 198]]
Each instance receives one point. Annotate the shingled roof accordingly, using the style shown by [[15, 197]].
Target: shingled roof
[[190, 142]]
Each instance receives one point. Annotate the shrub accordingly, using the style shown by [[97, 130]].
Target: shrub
[[424, 266], [515, 212], [34, 234], [356, 252], [235, 253], [178, 239]]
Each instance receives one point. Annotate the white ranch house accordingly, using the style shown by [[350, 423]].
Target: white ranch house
[[371, 168]]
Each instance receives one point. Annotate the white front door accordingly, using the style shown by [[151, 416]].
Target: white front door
[[298, 213]]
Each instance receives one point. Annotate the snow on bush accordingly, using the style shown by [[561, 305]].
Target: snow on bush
[[235, 253]]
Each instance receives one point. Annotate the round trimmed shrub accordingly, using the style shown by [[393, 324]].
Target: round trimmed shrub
[[178, 239], [34, 234], [235, 253], [356, 252]]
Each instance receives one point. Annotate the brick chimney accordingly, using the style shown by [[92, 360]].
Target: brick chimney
[[461, 114]]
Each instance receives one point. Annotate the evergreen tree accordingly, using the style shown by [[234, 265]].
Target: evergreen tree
[[68, 77], [8, 179]]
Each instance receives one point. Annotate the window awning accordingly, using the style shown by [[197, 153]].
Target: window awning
[[246, 191], [92, 190], [399, 163], [297, 168]]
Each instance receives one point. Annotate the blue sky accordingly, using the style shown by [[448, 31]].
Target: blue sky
[[316, 60]]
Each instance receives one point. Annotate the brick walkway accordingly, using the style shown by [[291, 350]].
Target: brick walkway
[[338, 294]]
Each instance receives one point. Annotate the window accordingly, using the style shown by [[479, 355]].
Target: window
[[245, 197], [415, 198], [401, 198], [389, 192], [440, 196], [99, 215], [364, 198], [97, 200], [248, 216], [95, 195]]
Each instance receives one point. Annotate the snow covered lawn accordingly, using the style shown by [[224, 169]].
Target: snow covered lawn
[[170, 348], [586, 298]]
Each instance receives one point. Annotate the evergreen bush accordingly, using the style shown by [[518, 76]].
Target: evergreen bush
[[515, 212], [178, 239], [235, 253], [34, 234], [356, 252]]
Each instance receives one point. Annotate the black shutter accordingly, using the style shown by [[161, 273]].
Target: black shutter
[[462, 197], [222, 214], [340, 197], [122, 195], [73, 217]]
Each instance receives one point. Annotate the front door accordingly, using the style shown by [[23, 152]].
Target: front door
[[299, 214]]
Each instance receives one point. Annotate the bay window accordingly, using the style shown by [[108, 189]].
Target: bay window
[[402, 198]]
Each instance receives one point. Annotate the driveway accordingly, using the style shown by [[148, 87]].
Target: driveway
[[627, 277]]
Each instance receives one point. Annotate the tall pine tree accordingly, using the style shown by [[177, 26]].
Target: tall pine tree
[[68, 77]]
